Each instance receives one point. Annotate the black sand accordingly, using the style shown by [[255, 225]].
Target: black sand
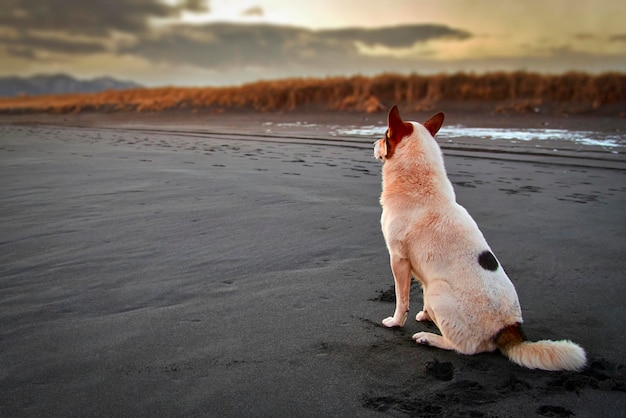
[[159, 274]]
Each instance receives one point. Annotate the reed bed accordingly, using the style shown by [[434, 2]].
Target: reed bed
[[356, 93]]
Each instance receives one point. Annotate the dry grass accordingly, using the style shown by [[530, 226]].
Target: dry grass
[[517, 91]]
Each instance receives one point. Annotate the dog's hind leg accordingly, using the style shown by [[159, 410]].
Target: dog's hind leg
[[441, 308], [423, 316], [401, 268], [428, 338]]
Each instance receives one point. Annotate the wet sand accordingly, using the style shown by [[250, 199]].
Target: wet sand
[[159, 266]]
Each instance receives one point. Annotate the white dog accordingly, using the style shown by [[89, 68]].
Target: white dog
[[467, 294]]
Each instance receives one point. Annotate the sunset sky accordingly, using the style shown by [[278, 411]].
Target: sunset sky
[[213, 42]]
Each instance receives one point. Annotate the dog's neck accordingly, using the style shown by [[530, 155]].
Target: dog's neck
[[420, 174]]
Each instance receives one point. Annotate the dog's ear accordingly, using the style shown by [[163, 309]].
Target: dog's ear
[[394, 121], [396, 130], [434, 123]]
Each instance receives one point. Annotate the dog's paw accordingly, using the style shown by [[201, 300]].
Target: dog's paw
[[392, 322], [421, 338], [422, 316]]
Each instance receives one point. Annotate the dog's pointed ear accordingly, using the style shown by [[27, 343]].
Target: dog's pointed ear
[[397, 129], [434, 123], [394, 121]]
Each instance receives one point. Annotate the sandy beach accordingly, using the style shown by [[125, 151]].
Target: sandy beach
[[233, 265]]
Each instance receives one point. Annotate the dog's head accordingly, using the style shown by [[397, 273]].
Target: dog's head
[[399, 131]]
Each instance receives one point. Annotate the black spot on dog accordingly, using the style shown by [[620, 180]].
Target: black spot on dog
[[488, 261]]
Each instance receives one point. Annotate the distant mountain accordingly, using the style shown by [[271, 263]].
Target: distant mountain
[[59, 84]]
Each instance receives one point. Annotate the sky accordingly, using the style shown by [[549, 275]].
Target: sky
[[229, 42]]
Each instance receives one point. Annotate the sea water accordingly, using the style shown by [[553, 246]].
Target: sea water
[[612, 141]]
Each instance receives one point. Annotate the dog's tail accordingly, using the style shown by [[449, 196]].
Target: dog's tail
[[545, 354]]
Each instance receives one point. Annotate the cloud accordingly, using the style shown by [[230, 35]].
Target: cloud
[[224, 45], [585, 37], [217, 45], [62, 29], [618, 38], [195, 5], [21, 52], [26, 45], [54, 29], [253, 11], [148, 37], [396, 36], [90, 17]]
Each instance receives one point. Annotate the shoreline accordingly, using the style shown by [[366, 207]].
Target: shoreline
[[329, 127]]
